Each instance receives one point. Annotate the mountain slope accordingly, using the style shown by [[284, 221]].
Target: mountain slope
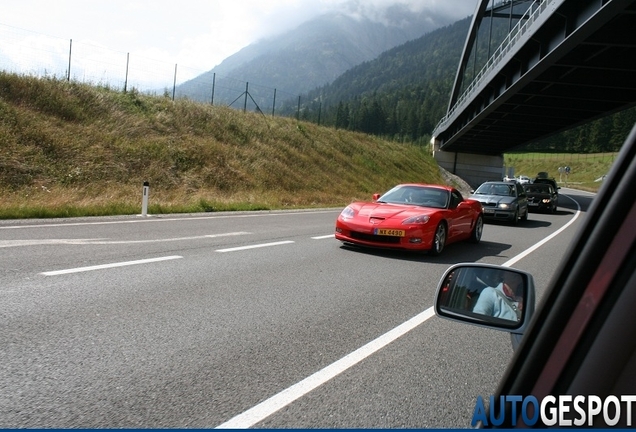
[[432, 57], [401, 94], [312, 55], [405, 91]]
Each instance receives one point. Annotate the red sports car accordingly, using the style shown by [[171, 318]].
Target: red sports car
[[412, 217]]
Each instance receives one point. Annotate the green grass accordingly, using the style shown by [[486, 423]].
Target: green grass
[[585, 169], [70, 149]]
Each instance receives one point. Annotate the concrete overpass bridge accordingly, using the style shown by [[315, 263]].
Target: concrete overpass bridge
[[531, 69]]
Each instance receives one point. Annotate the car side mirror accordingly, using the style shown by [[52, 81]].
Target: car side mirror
[[375, 197], [496, 297]]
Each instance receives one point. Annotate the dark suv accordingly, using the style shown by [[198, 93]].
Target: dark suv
[[541, 197], [547, 180]]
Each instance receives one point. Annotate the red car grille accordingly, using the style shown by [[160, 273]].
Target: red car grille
[[375, 238]]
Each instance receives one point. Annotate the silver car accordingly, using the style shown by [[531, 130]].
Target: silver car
[[502, 200], [524, 180]]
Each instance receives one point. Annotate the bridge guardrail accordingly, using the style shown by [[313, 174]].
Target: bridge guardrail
[[529, 18]]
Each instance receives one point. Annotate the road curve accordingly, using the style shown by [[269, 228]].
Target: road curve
[[198, 320]]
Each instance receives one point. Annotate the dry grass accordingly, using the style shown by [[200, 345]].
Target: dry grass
[[70, 149]]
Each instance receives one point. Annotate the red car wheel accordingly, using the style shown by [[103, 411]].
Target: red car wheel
[[439, 240]]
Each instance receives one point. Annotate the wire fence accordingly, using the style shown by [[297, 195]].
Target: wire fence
[[25, 52], [562, 158], [566, 168]]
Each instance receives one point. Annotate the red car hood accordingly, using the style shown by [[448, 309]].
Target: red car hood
[[388, 211]]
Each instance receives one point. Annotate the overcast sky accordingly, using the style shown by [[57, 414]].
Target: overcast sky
[[196, 33]]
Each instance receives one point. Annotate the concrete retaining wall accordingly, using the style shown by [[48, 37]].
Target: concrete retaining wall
[[473, 168]]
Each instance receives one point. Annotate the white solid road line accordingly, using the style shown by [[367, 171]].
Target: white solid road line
[[284, 398], [260, 412], [106, 266], [547, 239]]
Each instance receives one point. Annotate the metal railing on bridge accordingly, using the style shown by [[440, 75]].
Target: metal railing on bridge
[[521, 28]]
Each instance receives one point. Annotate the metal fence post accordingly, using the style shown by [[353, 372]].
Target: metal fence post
[[70, 53], [144, 200]]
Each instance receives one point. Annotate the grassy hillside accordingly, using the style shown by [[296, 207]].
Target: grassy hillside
[[585, 169], [68, 149]]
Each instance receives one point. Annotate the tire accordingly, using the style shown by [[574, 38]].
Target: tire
[[478, 229], [439, 240], [515, 218]]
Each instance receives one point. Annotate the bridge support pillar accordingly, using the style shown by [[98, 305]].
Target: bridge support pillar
[[472, 168]]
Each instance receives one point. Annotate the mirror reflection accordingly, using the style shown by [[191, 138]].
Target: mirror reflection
[[485, 294]]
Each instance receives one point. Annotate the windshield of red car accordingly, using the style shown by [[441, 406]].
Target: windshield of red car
[[417, 195]]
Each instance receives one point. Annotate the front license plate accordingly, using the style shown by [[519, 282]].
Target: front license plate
[[489, 210], [389, 232]]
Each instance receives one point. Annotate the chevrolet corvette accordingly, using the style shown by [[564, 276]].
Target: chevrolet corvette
[[415, 217]]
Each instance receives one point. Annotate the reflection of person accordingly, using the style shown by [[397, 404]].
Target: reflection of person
[[503, 301], [413, 196]]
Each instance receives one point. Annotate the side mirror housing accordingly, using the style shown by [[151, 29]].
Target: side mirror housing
[[485, 295], [375, 197]]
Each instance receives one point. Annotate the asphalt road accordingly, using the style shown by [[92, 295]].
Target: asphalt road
[[246, 320]]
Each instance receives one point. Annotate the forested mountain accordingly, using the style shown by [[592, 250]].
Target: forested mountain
[[403, 93], [604, 135], [352, 73]]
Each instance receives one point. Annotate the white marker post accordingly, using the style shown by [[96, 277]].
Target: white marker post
[[144, 201]]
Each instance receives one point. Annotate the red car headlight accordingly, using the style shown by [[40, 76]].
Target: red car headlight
[[347, 213], [420, 219]]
